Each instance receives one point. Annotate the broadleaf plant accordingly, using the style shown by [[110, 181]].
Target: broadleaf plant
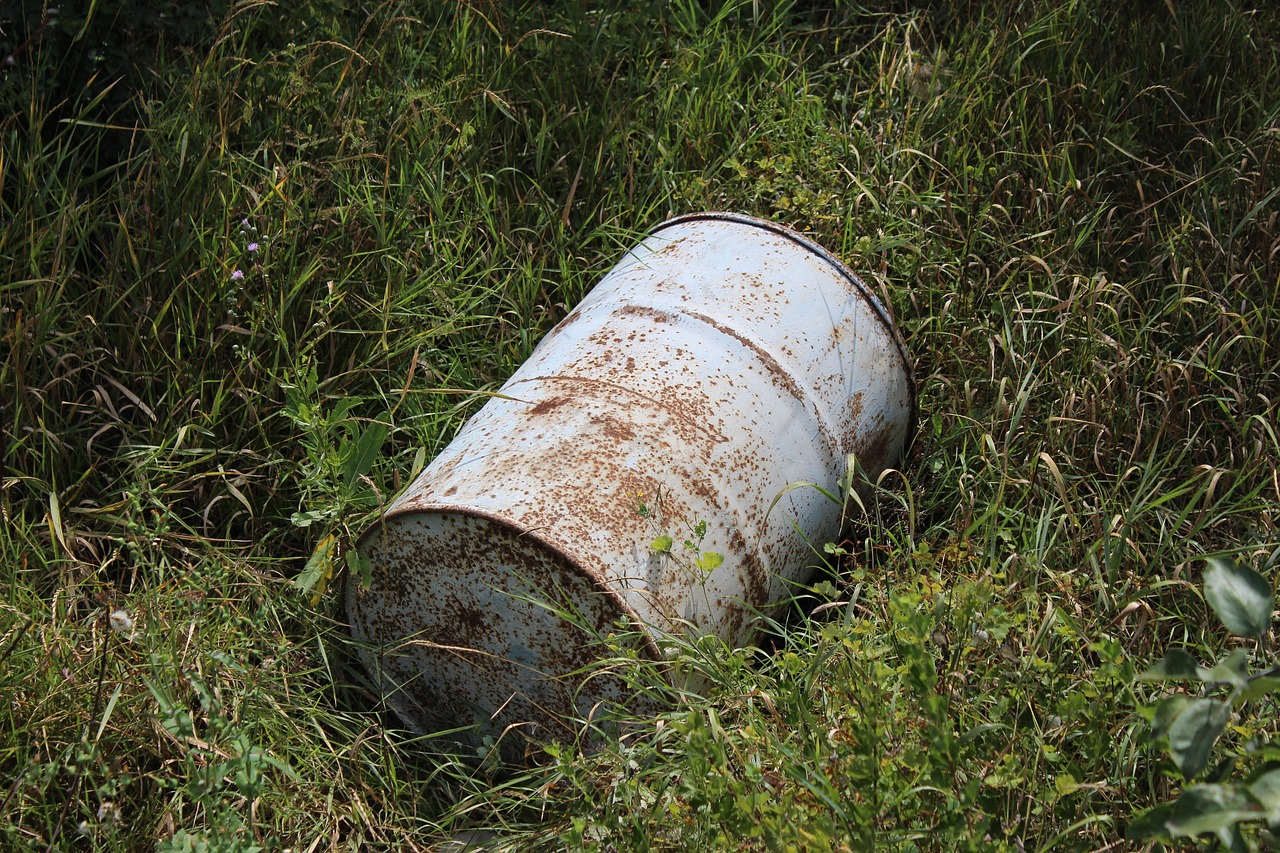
[[1241, 597], [1190, 727]]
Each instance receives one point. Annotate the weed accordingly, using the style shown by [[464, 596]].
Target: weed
[[1189, 728]]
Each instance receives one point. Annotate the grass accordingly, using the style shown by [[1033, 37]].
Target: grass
[[1073, 208]]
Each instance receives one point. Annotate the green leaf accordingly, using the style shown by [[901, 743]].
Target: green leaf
[[1065, 783], [359, 566], [308, 518], [340, 409], [1192, 734], [662, 544], [1167, 710], [1176, 664], [1259, 686], [826, 589], [318, 570], [175, 718], [1233, 670], [1150, 823], [1264, 750], [709, 561], [1266, 788], [1211, 808], [1233, 839], [1241, 597], [359, 459]]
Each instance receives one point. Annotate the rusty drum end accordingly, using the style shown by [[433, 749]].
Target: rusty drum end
[[472, 627]]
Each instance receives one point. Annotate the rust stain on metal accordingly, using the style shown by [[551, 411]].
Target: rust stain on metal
[[549, 405], [615, 429], [875, 444], [853, 427], [688, 411], [776, 371], [855, 405], [654, 314]]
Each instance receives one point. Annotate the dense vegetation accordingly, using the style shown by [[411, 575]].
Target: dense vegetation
[[233, 233]]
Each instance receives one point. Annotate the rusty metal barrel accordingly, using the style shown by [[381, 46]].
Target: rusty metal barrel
[[634, 472]]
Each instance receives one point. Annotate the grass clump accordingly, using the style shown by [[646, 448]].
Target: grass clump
[[259, 269]]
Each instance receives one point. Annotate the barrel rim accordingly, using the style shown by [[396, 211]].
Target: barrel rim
[[840, 267]]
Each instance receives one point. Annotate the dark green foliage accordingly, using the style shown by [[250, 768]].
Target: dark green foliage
[[98, 62], [1190, 727]]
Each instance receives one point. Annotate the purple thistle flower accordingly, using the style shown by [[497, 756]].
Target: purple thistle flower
[[238, 275], [253, 247]]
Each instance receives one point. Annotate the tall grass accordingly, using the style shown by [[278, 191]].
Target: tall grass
[[1073, 208]]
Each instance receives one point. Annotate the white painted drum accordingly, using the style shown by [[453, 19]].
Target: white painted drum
[[722, 360]]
